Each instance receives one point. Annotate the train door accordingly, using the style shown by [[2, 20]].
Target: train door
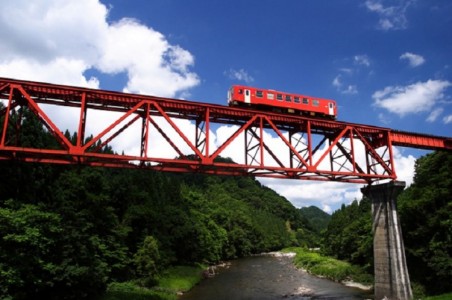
[[331, 109], [247, 96]]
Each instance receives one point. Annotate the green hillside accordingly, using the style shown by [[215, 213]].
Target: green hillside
[[317, 218]]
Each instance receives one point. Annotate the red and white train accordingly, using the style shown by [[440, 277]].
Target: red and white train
[[239, 95]]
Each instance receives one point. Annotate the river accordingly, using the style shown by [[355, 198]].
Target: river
[[268, 277]]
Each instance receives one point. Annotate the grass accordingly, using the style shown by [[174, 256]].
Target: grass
[[440, 297], [339, 271], [181, 278], [328, 267], [172, 281]]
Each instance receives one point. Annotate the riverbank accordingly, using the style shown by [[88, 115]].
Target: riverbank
[[171, 283], [178, 280], [330, 268]]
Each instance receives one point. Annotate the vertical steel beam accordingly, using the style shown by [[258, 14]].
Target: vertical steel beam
[[145, 131], [6, 121], [82, 122]]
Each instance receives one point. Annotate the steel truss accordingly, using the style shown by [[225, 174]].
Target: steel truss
[[272, 145]]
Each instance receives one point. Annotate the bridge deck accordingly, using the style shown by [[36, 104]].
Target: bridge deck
[[302, 148]]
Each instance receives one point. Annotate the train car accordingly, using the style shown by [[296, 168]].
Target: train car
[[239, 95]]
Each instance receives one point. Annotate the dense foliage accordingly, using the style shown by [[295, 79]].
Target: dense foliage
[[426, 216], [317, 218], [67, 232], [425, 212], [349, 235]]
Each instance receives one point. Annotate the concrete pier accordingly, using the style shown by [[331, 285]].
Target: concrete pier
[[391, 274]]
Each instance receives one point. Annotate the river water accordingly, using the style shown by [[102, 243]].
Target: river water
[[268, 277]]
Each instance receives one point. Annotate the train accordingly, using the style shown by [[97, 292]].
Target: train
[[281, 102]]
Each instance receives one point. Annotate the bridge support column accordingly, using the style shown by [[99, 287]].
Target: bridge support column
[[391, 273]]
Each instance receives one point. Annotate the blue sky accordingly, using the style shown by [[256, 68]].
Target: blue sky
[[346, 50], [386, 63]]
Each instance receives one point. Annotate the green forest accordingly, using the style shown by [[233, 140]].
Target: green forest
[[68, 232], [425, 212]]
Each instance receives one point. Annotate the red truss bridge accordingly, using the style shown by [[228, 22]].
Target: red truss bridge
[[270, 144]]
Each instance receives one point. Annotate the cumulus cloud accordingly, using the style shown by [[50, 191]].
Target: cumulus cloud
[[414, 60], [390, 17], [240, 75], [404, 166], [331, 195], [62, 40], [327, 195], [413, 98]]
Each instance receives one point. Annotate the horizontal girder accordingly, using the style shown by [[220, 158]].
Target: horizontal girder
[[272, 145]]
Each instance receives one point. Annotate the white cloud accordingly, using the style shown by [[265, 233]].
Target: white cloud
[[346, 74], [414, 98], [362, 60], [328, 196], [240, 75], [326, 208], [390, 17], [414, 60], [61, 40], [435, 114], [447, 119], [404, 166], [344, 89], [350, 89], [337, 81], [59, 70]]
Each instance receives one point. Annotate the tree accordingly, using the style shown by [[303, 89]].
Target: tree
[[425, 210], [146, 260], [349, 234], [29, 239]]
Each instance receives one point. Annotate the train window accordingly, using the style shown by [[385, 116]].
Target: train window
[[240, 91], [305, 101], [259, 94], [288, 98], [296, 99], [315, 102], [279, 97], [247, 92], [270, 96]]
